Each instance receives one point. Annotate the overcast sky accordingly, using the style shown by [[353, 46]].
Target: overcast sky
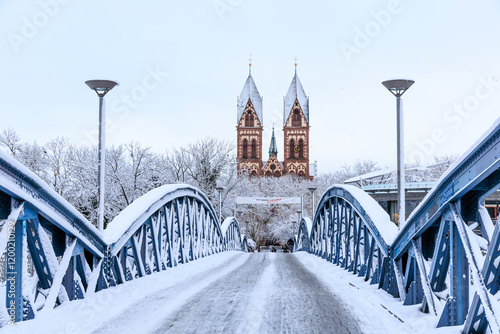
[[182, 64]]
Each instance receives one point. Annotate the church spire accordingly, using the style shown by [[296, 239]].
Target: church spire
[[250, 65], [273, 148]]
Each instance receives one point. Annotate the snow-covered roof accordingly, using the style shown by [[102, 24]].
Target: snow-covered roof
[[370, 175], [296, 92], [250, 92]]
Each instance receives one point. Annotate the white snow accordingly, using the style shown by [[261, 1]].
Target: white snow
[[139, 210], [225, 225], [377, 311], [309, 225], [387, 229], [486, 220]]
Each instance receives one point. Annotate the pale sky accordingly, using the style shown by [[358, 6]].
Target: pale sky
[[182, 64]]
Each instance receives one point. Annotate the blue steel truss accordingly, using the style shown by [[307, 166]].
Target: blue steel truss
[[54, 255], [450, 229]]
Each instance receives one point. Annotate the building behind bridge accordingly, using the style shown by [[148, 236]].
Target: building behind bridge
[[295, 128], [381, 185]]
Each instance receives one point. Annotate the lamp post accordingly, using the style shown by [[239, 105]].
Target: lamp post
[[220, 189], [398, 88], [101, 87], [312, 190], [298, 215]]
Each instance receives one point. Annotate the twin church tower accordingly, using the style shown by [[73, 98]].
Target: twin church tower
[[295, 129]]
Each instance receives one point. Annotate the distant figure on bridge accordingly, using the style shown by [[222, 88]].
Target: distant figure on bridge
[[290, 244]]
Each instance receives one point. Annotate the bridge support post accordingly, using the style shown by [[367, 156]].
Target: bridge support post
[[457, 304]]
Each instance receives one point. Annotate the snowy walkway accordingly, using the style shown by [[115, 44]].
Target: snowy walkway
[[236, 292], [269, 293]]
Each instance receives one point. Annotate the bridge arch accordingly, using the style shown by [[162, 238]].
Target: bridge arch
[[169, 225], [351, 230]]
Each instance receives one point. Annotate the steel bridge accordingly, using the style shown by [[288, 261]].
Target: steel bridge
[[445, 258]]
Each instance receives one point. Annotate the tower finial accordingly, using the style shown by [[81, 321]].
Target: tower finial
[[295, 59], [250, 65]]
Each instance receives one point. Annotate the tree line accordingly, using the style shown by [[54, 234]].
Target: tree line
[[132, 170]]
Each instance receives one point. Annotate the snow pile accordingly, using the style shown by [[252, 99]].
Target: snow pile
[[140, 210], [225, 225], [308, 222], [387, 229]]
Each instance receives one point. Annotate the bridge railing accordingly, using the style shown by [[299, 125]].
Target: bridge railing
[[54, 255], [450, 229], [350, 230]]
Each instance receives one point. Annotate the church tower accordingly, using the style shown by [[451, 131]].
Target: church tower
[[296, 129], [249, 128]]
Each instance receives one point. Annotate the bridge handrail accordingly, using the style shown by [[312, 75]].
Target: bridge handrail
[[19, 181], [133, 216], [378, 221], [448, 186]]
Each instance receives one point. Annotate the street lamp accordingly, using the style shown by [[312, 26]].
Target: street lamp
[[298, 216], [398, 88], [101, 87], [312, 190], [220, 189]]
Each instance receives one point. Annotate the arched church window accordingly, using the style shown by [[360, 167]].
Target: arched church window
[[292, 149], [277, 173], [254, 149], [268, 173], [245, 149], [301, 173], [301, 148]]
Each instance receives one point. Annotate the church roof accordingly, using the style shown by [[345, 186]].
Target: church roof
[[296, 92], [250, 92], [273, 148]]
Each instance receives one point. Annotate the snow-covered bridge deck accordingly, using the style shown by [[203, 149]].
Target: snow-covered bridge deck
[[235, 292]]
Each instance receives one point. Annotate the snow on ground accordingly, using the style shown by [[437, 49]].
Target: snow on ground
[[268, 284], [377, 311], [85, 316]]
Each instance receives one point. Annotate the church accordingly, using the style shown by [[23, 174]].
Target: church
[[295, 129]]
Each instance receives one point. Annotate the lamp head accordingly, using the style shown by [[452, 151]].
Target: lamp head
[[398, 87], [101, 87]]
